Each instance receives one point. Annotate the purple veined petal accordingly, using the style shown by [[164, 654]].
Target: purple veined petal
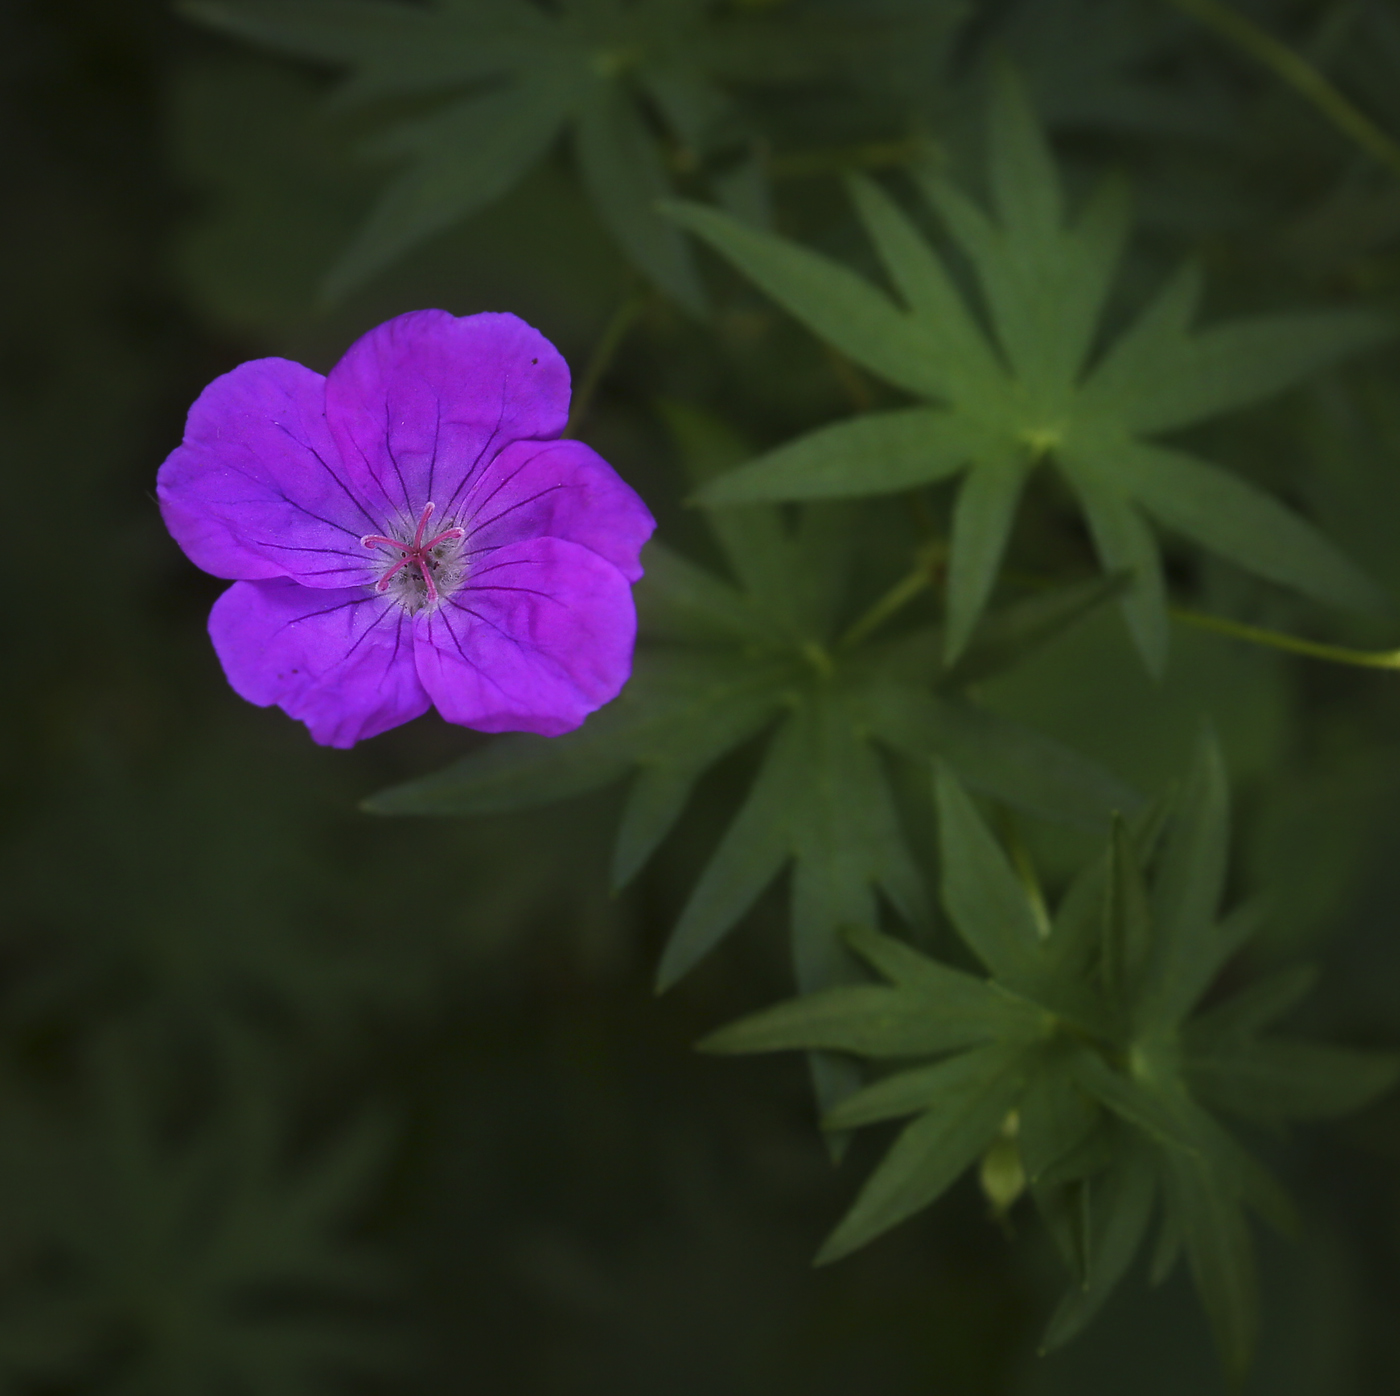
[[426, 400], [540, 635], [258, 488], [339, 661], [556, 489]]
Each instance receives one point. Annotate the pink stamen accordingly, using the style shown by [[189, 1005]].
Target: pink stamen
[[414, 553]]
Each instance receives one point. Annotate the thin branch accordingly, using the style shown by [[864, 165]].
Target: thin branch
[[614, 332], [1291, 644], [1299, 74]]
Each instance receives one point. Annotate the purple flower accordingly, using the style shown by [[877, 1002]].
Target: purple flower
[[408, 532]]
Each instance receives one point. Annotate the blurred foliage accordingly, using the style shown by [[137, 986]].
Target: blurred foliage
[[299, 1098]]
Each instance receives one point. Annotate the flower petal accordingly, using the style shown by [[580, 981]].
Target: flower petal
[[539, 637], [257, 488], [556, 489], [339, 661], [425, 400]]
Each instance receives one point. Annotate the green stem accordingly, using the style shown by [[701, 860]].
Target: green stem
[[1273, 639], [614, 332], [897, 597], [1299, 74]]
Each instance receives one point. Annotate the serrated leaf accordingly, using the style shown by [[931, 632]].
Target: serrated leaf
[[965, 1101], [677, 707], [1161, 378], [839, 305], [754, 849], [529, 72], [1045, 281], [965, 356]]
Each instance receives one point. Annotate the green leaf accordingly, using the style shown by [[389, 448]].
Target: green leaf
[[333, 31], [1045, 280], [931, 1009], [1127, 924], [1056, 1117], [754, 849], [1186, 894], [876, 454], [389, 48], [1216, 1238], [1124, 543], [836, 303], [997, 756], [1157, 1113], [1251, 1010], [625, 176], [463, 158], [981, 891], [526, 73], [678, 707], [1159, 377], [1120, 1207], [1274, 1080], [1234, 519], [964, 355], [965, 1101], [1013, 633], [982, 519]]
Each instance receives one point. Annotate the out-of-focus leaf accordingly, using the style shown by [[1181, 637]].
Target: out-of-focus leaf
[[1216, 1240], [1186, 947], [984, 897], [511, 76], [1252, 1009], [622, 170], [167, 1251], [1120, 1207], [460, 160], [1280, 1080], [1056, 1117]]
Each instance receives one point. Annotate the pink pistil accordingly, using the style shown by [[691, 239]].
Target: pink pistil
[[414, 553]]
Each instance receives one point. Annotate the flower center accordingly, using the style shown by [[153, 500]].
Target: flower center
[[423, 569]]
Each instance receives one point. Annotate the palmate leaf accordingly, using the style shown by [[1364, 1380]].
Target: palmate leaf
[[509, 78], [1079, 1050], [721, 662], [170, 1251], [999, 405]]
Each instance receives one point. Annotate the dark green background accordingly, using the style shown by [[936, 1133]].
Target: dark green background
[[281, 1080]]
